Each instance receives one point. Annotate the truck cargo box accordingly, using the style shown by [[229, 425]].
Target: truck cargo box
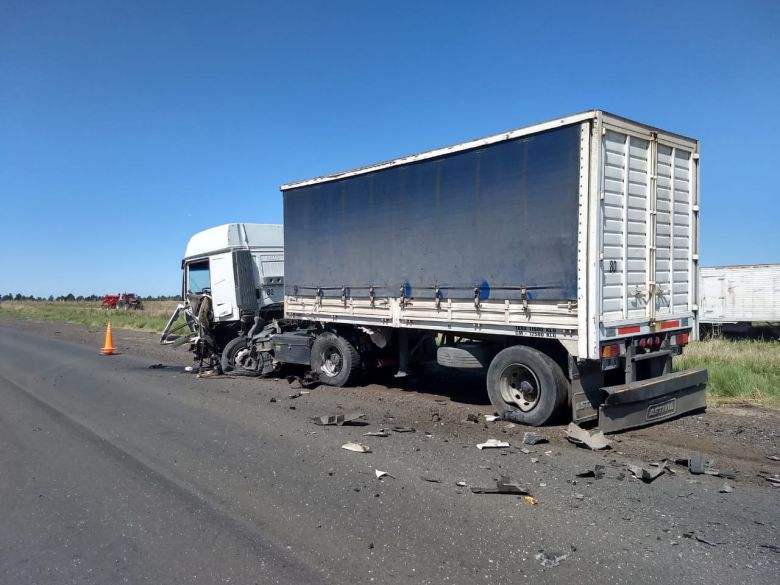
[[583, 229]]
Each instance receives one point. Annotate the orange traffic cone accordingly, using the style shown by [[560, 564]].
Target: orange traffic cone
[[108, 347]]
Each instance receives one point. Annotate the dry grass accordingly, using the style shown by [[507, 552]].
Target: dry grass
[[153, 318], [744, 370]]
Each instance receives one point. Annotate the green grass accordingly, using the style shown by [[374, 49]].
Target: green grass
[[744, 370], [153, 317]]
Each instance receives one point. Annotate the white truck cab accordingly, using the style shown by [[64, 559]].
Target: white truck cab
[[239, 268]]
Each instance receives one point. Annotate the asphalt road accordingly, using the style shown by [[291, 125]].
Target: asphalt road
[[112, 472]]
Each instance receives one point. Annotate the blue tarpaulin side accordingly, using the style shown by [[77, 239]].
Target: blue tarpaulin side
[[498, 217]]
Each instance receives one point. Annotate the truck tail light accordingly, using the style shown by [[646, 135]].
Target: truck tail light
[[608, 351], [681, 339]]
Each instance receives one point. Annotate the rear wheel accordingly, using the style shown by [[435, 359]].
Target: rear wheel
[[525, 385], [334, 359]]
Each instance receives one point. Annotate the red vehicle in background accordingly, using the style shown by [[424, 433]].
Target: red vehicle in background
[[122, 301]]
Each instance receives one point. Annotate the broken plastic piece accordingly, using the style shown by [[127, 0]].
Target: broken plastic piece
[[597, 472], [551, 559], [492, 444], [648, 475], [492, 417], [381, 474], [533, 438], [356, 447], [579, 436], [376, 434], [460, 484], [504, 485], [339, 419], [531, 500]]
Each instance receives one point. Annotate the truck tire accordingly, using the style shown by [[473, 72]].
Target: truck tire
[[334, 359], [465, 355], [526, 386], [237, 358]]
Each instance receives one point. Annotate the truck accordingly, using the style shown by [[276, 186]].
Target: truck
[[560, 258], [735, 297], [232, 281]]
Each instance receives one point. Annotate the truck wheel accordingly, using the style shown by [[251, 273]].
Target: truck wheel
[[525, 385], [237, 357], [334, 359]]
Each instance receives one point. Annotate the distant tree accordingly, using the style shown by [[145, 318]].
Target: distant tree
[[51, 298], [18, 296], [70, 297]]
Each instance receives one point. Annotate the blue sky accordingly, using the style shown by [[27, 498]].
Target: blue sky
[[126, 126]]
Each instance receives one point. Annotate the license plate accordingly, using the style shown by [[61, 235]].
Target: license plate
[[662, 409], [610, 363]]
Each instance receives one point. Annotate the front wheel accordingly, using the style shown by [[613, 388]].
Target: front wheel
[[238, 357], [334, 359], [525, 385]]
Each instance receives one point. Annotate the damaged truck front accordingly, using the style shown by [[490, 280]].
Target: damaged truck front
[[232, 285], [562, 257]]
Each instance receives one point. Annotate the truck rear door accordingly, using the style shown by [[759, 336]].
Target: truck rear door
[[649, 221]]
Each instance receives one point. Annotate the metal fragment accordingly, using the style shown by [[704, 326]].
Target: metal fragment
[[582, 438], [492, 444], [356, 447], [533, 438]]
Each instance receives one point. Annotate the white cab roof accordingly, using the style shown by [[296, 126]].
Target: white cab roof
[[231, 236]]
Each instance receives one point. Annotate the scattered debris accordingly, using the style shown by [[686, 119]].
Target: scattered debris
[[726, 488], [773, 479], [648, 475], [692, 535], [471, 417], [340, 419], [597, 472], [188, 368], [698, 465], [404, 429], [156, 366], [531, 500], [381, 474], [579, 496], [492, 417], [504, 485], [582, 438], [773, 458], [294, 396], [356, 447], [492, 444], [460, 484], [533, 438], [430, 479], [380, 433], [534, 460], [272, 399], [525, 451], [309, 379], [551, 559]]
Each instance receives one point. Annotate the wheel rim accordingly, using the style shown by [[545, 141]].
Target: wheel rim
[[243, 359], [520, 387], [332, 361]]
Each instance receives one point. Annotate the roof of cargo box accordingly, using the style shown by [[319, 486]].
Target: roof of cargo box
[[479, 142]]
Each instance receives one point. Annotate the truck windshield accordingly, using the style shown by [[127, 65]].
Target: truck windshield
[[198, 277]]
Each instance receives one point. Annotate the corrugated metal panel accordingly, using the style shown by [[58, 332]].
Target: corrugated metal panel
[[647, 238], [740, 293], [624, 212]]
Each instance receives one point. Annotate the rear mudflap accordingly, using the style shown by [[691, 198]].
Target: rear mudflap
[[650, 401]]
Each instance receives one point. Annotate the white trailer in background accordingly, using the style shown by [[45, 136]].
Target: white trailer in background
[[733, 297]]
